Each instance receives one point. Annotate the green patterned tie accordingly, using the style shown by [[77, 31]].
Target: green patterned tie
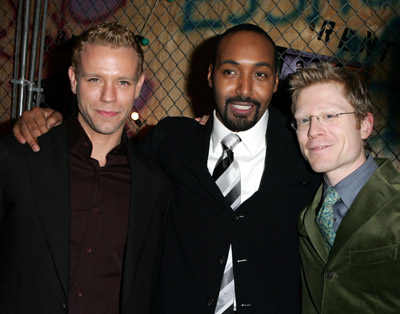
[[324, 219]]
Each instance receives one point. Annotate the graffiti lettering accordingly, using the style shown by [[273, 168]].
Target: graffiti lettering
[[327, 28]]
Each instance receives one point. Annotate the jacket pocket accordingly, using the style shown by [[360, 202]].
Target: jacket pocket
[[378, 255]]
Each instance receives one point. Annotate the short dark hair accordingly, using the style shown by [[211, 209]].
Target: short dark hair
[[244, 28]]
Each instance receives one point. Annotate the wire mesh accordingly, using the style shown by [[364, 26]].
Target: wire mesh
[[360, 35]]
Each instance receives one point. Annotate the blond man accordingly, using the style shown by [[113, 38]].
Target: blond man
[[350, 231]]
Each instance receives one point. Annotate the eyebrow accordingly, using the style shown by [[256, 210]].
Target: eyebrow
[[93, 74], [258, 64]]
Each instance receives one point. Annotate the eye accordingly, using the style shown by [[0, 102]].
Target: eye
[[328, 116], [93, 79], [124, 83], [261, 75], [228, 72], [302, 120]]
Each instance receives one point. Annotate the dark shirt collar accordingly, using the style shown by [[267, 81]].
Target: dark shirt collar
[[78, 141]]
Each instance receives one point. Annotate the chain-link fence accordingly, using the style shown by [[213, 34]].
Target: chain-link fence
[[360, 35]]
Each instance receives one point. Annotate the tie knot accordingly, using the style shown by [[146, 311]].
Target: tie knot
[[331, 196], [230, 141]]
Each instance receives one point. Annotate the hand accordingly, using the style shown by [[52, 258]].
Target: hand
[[202, 120], [34, 123]]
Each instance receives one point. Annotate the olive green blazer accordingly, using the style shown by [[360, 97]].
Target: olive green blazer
[[362, 272]]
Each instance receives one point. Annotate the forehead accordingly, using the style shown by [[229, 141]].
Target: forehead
[[246, 46], [101, 56], [327, 96]]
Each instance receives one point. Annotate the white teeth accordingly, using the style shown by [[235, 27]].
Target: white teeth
[[240, 107]]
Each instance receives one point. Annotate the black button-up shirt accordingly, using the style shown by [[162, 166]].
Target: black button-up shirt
[[100, 199]]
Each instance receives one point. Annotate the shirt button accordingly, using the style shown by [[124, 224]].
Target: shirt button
[[89, 250], [95, 210], [222, 260], [79, 294], [329, 275], [210, 302]]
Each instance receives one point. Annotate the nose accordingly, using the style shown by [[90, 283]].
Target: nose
[[108, 93], [315, 128], [245, 86]]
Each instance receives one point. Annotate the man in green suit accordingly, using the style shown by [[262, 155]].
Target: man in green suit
[[350, 231]]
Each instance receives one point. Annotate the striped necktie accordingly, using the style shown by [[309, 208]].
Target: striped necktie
[[227, 177], [227, 173], [325, 217]]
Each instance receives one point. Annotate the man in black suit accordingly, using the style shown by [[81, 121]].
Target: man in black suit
[[81, 221], [204, 235]]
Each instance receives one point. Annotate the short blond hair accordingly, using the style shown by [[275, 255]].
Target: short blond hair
[[110, 35], [355, 91]]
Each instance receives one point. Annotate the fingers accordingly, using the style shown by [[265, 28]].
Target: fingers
[[17, 132], [22, 132], [202, 120], [53, 118], [34, 123]]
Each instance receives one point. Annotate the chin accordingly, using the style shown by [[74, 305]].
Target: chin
[[320, 167]]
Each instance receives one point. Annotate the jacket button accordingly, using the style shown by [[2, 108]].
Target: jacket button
[[64, 306], [222, 260], [235, 217], [210, 302], [329, 275]]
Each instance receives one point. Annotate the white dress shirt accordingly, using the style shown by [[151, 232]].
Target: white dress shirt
[[249, 153]]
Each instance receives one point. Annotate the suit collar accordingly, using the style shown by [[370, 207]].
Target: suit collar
[[139, 220], [198, 154], [371, 199]]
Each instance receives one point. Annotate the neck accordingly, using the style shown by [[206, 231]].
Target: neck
[[334, 177], [102, 144]]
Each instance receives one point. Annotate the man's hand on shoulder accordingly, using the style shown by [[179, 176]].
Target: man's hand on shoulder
[[34, 123], [202, 120]]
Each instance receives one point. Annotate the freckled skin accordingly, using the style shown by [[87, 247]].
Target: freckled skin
[[336, 150]]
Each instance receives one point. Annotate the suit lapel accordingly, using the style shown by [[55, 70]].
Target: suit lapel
[[311, 229], [139, 220], [199, 148], [278, 138], [371, 199], [275, 159], [49, 177]]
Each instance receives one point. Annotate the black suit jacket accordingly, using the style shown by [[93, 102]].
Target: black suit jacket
[[35, 227], [201, 224]]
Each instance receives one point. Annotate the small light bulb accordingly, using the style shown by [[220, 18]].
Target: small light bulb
[[134, 116]]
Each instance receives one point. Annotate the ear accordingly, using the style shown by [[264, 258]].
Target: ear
[[209, 75], [366, 126], [276, 82], [139, 85], [72, 79]]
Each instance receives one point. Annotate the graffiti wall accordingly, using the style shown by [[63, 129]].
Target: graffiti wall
[[361, 35]]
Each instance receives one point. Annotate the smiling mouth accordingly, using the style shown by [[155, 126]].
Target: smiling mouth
[[107, 113], [242, 108], [319, 147]]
